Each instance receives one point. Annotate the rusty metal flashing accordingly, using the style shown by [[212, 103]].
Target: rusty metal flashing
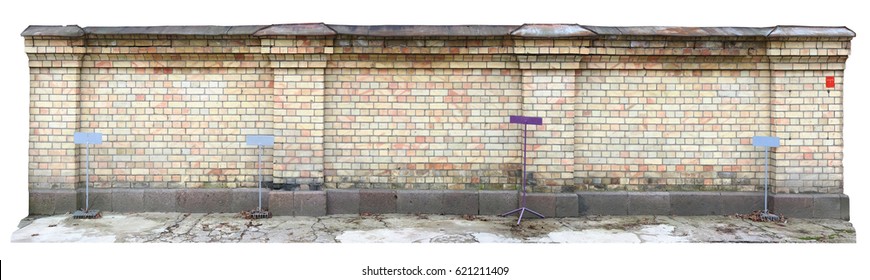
[[525, 30], [811, 31], [298, 29], [679, 31], [205, 30], [53, 30], [552, 30], [424, 30]]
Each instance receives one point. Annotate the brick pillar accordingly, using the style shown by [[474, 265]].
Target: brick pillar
[[548, 91], [54, 96], [298, 120], [807, 115]]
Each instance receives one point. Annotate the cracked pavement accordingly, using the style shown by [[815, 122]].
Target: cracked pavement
[[398, 228]]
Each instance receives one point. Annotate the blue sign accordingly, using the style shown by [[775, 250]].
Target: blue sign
[[765, 141], [260, 140], [88, 138]]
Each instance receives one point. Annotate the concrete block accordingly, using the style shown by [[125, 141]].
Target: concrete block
[[100, 199], [792, 205], [281, 203], [461, 203], [649, 203], [741, 202], [377, 201], [602, 203], [203, 200], [419, 202], [128, 200], [41, 202], [497, 202], [309, 203], [160, 200], [695, 203], [826, 206], [342, 201], [64, 201], [844, 207], [247, 199], [567, 205], [544, 203]]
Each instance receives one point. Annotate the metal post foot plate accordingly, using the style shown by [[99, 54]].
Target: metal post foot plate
[[257, 214], [89, 214]]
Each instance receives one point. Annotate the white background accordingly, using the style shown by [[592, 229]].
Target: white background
[[344, 261]]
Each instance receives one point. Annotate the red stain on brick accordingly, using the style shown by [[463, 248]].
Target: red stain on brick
[[420, 139], [681, 168], [808, 156]]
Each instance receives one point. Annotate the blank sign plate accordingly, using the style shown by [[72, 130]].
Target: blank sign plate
[[765, 141], [88, 138], [260, 140]]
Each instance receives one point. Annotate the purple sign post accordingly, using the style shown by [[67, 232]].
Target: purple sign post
[[525, 121]]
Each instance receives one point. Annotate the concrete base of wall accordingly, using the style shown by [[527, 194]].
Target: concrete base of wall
[[377, 201]]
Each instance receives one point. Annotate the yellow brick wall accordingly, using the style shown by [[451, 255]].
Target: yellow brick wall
[[176, 127], [631, 113], [421, 128], [671, 129]]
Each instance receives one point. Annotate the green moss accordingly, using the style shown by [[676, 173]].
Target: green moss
[[214, 185]]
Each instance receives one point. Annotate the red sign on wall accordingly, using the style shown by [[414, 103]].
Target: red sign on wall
[[829, 81]]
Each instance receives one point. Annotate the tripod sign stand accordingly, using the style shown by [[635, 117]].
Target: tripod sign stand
[[525, 121]]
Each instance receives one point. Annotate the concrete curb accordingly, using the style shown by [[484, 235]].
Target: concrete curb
[[460, 202]]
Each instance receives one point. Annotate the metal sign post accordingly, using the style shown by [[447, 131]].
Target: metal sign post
[[767, 142], [260, 141], [525, 121], [87, 139]]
